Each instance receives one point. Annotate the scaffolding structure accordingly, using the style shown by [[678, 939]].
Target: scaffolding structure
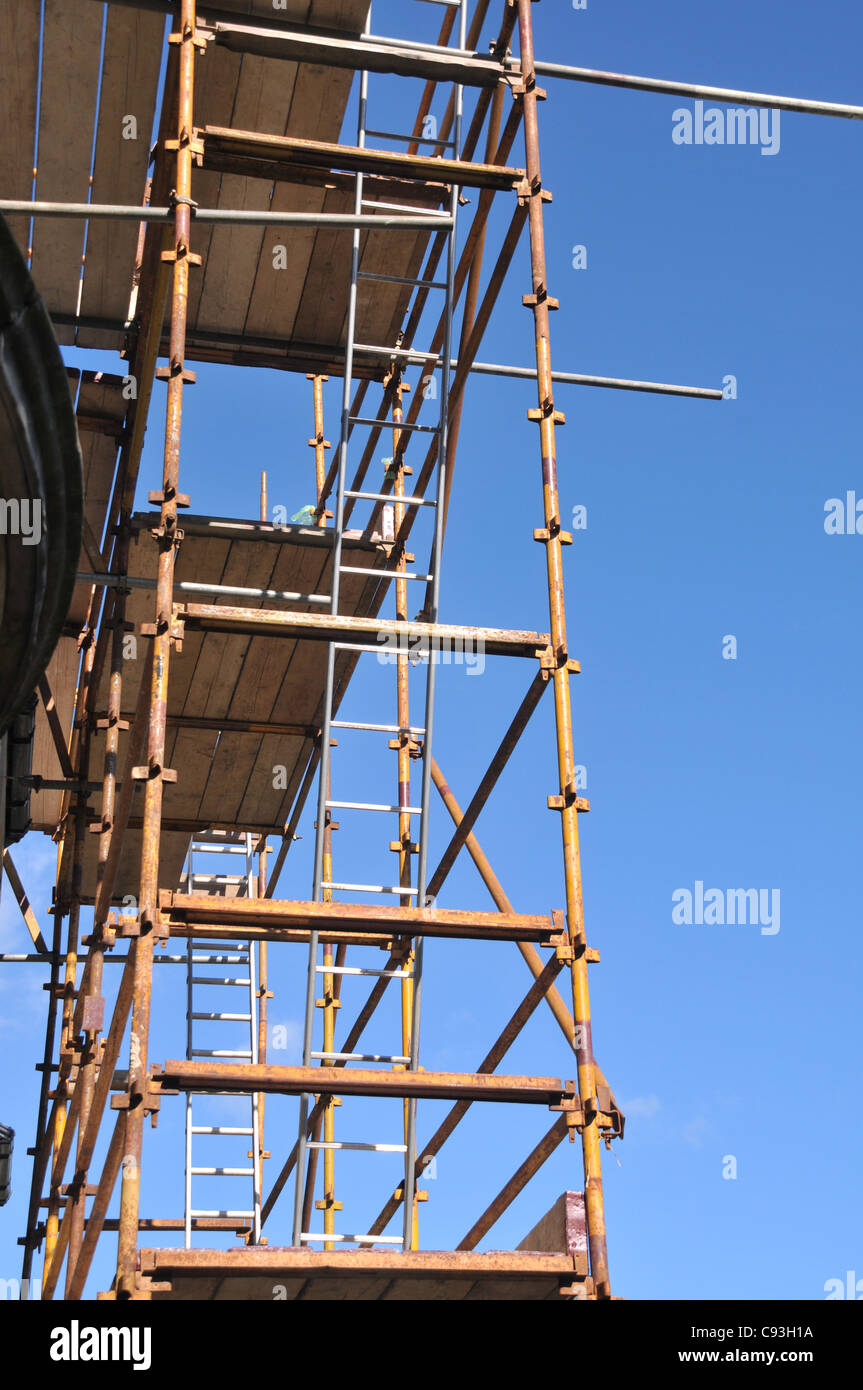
[[321, 597]]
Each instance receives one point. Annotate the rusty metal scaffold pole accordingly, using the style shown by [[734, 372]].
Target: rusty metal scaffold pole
[[553, 538], [137, 1097]]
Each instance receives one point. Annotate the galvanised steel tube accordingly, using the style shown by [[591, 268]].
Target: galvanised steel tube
[[616, 383], [239, 216], [190, 586], [590, 1137]]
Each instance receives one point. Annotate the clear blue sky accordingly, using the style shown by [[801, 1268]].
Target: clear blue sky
[[704, 520]]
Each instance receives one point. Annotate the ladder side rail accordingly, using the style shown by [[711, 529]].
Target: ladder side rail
[[434, 599]]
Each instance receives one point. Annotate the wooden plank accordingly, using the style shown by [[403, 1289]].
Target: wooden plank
[[70, 79], [381, 308], [62, 677], [410, 921], [513, 1290], [216, 78], [344, 1287], [316, 107], [440, 1290], [360, 631], [306, 674], [563, 1229], [262, 98], [245, 1290], [220, 664], [100, 395], [277, 288], [202, 560], [218, 669], [207, 564], [255, 686], [210, 673], [345, 1290], [253, 565], [229, 778], [322, 311], [346, 1275], [288, 151], [265, 1261], [130, 75], [19, 39], [349, 15], [299, 689], [232, 256], [182, 1075]]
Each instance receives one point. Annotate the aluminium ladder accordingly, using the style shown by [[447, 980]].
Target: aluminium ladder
[[324, 886], [200, 1037]]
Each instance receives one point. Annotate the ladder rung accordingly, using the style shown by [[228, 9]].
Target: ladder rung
[[219, 1052], [235, 947], [218, 849], [372, 806], [370, 888], [222, 1172], [233, 959], [244, 1091], [357, 1240], [406, 425], [361, 970], [366, 1148], [376, 728], [218, 980], [367, 646], [413, 211], [396, 574], [355, 1057], [389, 497], [221, 1129], [201, 1212], [218, 878], [403, 280], [224, 1018], [414, 356]]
